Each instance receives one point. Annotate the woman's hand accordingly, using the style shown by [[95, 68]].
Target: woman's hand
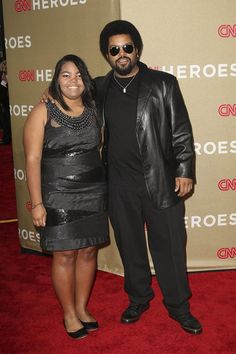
[[39, 215]]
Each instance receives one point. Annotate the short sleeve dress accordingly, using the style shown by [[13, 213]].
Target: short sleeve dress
[[73, 182]]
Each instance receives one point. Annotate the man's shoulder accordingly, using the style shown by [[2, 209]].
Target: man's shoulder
[[99, 78], [155, 78], [161, 75], [102, 78]]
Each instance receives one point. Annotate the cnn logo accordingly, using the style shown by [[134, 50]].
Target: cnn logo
[[226, 184], [227, 252], [22, 5], [27, 75], [28, 206], [226, 31], [226, 110]]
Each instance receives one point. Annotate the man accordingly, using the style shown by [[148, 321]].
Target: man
[[150, 157]]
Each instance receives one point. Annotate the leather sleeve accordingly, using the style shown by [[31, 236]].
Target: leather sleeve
[[182, 137]]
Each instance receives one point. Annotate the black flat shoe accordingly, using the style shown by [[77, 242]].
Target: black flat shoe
[[90, 326], [134, 312], [189, 323], [81, 333]]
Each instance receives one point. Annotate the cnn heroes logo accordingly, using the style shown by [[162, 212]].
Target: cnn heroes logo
[[227, 31], [18, 42], [226, 253], [19, 174], [180, 71], [36, 75], [195, 71], [27, 235], [34, 5], [215, 148], [227, 184], [197, 221], [227, 110], [20, 110]]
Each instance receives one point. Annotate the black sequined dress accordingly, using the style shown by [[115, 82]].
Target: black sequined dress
[[73, 182]]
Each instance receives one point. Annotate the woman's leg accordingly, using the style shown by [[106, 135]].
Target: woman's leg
[[86, 265], [63, 278]]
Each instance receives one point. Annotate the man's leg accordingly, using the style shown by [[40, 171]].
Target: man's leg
[[128, 224], [167, 243]]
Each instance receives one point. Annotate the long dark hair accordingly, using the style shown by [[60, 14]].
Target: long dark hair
[[88, 94]]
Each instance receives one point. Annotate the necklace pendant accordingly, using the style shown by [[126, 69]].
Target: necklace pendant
[[124, 90]]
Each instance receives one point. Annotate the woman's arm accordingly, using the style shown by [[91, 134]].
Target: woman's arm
[[33, 144]]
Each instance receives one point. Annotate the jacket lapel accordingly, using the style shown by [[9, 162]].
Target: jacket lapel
[[144, 93], [102, 89]]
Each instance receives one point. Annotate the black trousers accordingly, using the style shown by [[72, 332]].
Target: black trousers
[[129, 211]]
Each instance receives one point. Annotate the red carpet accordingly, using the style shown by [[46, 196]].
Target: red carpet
[[31, 320], [7, 184]]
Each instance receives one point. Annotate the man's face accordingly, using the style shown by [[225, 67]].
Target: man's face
[[124, 64]]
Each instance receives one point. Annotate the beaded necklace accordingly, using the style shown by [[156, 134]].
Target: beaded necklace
[[76, 123]]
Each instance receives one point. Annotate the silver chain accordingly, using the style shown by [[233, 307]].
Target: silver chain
[[124, 87]]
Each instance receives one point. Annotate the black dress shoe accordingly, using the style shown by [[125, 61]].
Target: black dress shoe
[[90, 326], [81, 333], [133, 312], [189, 323]]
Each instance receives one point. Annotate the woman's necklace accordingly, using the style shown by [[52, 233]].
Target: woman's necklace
[[124, 87], [85, 119]]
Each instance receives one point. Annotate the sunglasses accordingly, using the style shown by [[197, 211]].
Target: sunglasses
[[115, 49]]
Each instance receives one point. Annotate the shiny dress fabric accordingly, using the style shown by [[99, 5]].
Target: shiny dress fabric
[[73, 182]]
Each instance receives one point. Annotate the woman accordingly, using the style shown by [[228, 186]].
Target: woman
[[66, 182]]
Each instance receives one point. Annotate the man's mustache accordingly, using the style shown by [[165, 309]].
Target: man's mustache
[[122, 58]]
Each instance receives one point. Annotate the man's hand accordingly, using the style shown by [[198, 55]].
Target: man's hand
[[183, 186], [45, 97]]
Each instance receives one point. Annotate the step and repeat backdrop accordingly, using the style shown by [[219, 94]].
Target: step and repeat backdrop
[[195, 41]]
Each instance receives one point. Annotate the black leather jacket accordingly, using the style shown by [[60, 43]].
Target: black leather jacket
[[163, 131]]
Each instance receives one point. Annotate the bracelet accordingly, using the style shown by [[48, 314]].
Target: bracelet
[[33, 206]]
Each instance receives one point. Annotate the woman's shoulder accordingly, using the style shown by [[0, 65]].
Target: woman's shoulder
[[39, 108], [39, 113]]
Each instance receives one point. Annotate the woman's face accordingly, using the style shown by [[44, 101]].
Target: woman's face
[[70, 81]]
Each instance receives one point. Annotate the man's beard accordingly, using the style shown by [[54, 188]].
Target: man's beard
[[124, 70]]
